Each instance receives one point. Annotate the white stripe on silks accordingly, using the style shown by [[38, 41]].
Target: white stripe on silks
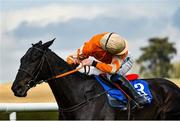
[[122, 73]]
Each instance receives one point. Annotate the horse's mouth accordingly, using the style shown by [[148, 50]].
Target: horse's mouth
[[22, 92]]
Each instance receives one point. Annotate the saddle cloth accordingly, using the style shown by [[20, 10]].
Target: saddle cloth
[[117, 98]]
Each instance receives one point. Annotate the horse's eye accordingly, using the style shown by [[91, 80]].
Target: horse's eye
[[35, 56]]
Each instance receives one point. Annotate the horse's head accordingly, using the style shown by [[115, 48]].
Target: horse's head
[[31, 65]]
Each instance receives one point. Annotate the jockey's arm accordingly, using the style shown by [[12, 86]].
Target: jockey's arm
[[80, 55], [110, 68], [120, 65]]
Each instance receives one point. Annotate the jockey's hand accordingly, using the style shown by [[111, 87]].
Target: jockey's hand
[[87, 62], [72, 61]]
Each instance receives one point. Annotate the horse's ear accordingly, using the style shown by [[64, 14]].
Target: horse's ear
[[47, 44], [37, 44]]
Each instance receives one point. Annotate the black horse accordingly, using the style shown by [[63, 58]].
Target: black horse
[[80, 96]]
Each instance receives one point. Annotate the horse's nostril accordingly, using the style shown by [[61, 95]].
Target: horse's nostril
[[16, 88]]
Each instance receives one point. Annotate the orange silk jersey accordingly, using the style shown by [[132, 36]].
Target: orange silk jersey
[[108, 62]]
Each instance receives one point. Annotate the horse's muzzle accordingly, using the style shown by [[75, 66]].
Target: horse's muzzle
[[20, 91]]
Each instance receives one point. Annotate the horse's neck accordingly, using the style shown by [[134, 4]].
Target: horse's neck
[[67, 90]]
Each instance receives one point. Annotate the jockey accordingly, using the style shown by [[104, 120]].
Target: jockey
[[112, 57]]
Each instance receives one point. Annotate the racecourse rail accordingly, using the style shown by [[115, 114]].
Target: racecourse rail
[[18, 107]]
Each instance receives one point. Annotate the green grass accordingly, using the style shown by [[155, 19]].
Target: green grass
[[31, 115]]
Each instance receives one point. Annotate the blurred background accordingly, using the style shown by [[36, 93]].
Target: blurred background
[[152, 28]]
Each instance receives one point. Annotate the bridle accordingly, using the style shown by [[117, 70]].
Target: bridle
[[33, 82]]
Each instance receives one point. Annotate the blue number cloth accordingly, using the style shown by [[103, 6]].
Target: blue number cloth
[[140, 85]]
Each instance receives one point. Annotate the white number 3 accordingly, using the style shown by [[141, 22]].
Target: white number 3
[[140, 89]]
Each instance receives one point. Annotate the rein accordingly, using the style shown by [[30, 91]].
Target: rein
[[65, 74]]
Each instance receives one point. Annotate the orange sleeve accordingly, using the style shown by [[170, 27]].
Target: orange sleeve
[[86, 50], [104, 67], [110, 68]]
